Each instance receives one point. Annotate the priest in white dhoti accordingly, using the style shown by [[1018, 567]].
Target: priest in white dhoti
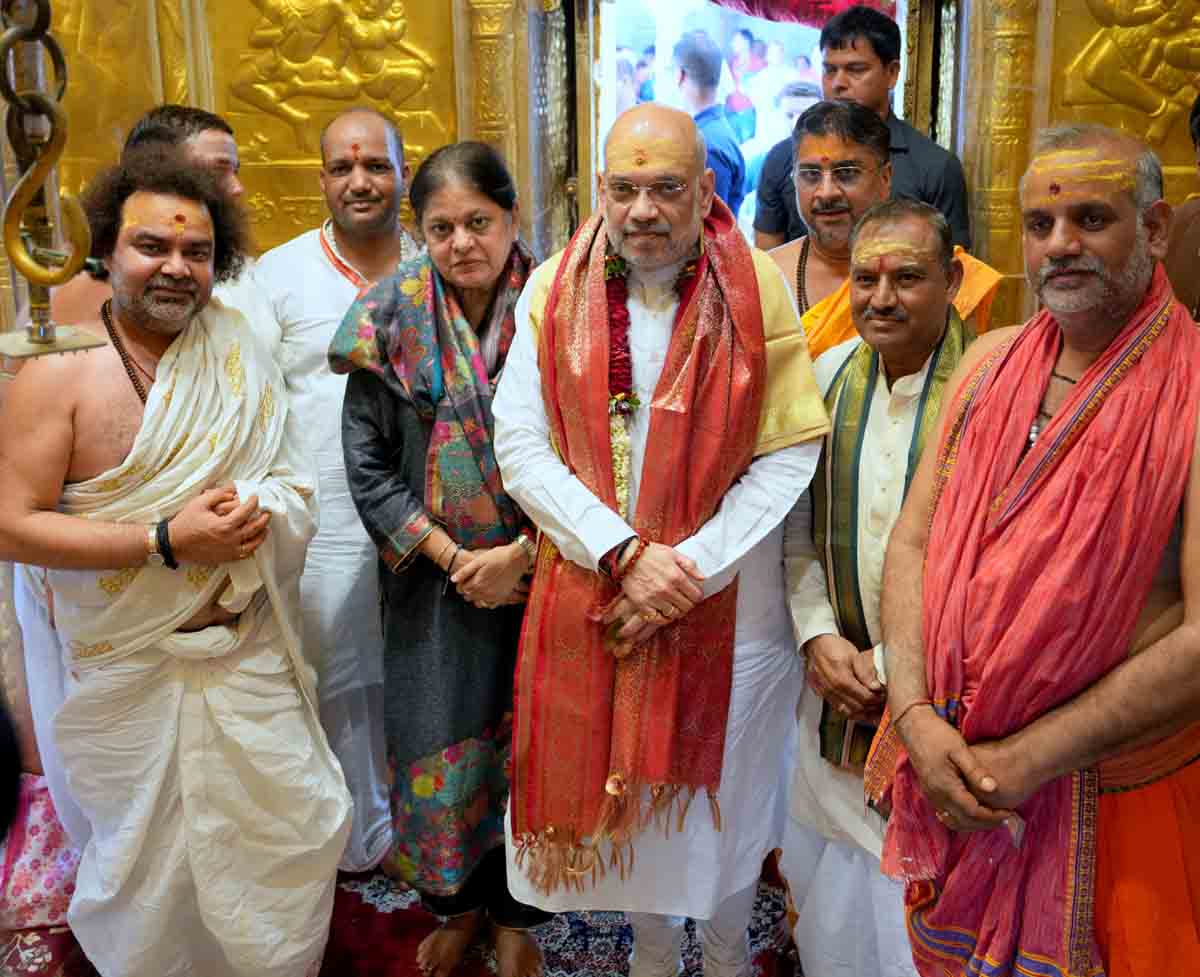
[[657, 418], [310, 282], [883, 390], [159, 479]]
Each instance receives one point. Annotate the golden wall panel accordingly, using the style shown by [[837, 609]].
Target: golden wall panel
[[1130, 64], [281, 69]]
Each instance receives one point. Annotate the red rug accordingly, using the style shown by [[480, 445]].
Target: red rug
[[377, 926]]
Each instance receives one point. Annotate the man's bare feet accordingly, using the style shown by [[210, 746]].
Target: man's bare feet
[[517, 953], [443, 949]]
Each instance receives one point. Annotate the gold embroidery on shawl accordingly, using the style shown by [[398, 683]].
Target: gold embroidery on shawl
[[266, 409], [234, 370], [81, 651], [170, 394], [212, 442], [198, 576], [115, 583], [119, 482]]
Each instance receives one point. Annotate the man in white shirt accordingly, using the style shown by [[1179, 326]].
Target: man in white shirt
[[883, 390], [311, 281], [655, 419]]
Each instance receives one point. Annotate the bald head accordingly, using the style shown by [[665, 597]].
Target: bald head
[[363, 174], [358, 116], [656, 189], [652, 135]]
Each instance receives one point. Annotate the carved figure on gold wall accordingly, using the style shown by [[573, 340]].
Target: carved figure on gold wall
[[373, 33], [287, 37], [370, 57], [1145, 56]]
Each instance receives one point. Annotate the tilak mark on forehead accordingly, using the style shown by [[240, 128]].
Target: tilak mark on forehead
[[354, 151], [870, 248]]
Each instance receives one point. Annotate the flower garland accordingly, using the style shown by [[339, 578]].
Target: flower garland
[[623, 402]]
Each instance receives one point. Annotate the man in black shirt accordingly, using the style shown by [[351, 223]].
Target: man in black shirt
[[777, 218], [860, 50]]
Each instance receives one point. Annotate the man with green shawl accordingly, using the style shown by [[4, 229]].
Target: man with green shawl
[[883, 390]]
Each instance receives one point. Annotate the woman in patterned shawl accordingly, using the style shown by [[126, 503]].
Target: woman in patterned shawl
[[424, 349]]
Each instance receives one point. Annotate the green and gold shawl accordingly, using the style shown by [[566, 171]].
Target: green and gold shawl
[[845, 742]]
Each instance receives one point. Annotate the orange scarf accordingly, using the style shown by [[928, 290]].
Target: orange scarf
[[1037, 566], [591, 731]]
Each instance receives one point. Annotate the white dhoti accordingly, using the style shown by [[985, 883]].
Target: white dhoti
[[216, 810], [850, 915]]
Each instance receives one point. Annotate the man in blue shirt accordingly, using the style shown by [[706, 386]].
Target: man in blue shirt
[[698, 72]]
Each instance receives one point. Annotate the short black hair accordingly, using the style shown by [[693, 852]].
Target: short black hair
[[165, 170], [847, 120], [798, 89], [1194, 122], [172, 125], [473, 164], [698, 55], [877, 29], [901, 208]]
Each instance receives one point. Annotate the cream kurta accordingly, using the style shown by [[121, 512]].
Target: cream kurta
[[217, 811], [310, 288], [692, 871], [851, 920]]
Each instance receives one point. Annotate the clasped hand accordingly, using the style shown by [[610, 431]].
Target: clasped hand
[[491, 577], [661, 587], [844, 676], [216, 528], [971, 787]]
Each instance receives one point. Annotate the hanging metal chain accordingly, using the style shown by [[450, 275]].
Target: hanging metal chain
[[36, 126]]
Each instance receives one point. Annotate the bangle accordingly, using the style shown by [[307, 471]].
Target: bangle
[[909, 708], [621, 572], [450, 565], [163, 536], [442, 552], [612, 559], [529, 548]]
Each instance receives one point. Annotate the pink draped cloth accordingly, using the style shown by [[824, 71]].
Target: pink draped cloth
[[1037, 566]]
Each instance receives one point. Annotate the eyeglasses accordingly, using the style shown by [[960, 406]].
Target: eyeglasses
[[845, 176], [660, 191]]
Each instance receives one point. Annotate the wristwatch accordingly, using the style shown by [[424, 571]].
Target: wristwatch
[[154, 557]]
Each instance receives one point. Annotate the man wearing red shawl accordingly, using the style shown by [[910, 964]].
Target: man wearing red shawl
[[656, 418], [1041, 609]]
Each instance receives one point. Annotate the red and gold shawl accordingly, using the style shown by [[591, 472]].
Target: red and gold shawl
[[591, 731], [1037, 566]]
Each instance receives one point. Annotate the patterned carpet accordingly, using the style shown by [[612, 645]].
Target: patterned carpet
[[377, 926]]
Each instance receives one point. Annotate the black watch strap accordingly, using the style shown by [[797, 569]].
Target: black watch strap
[[164, 546]]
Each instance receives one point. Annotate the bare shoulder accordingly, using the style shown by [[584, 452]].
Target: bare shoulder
[[52, 384], [786, 256], [982, 347]]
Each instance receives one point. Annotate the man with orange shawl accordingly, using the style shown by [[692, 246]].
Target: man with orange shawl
[[841, 169], [657, 419], [1041, 609]]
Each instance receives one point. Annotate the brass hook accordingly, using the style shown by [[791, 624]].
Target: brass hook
[[75, 225]]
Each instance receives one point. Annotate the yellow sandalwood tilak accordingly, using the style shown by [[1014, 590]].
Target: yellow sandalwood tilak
[[870, 248], [630, 152], [168, 214]]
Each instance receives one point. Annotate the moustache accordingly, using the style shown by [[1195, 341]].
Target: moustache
[[895, 314], [161, 281], [829, 207], [1057, 266], [647, 229]]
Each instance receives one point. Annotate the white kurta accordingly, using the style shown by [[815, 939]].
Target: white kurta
[[851, 920], [343, 636], [692, 871]]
